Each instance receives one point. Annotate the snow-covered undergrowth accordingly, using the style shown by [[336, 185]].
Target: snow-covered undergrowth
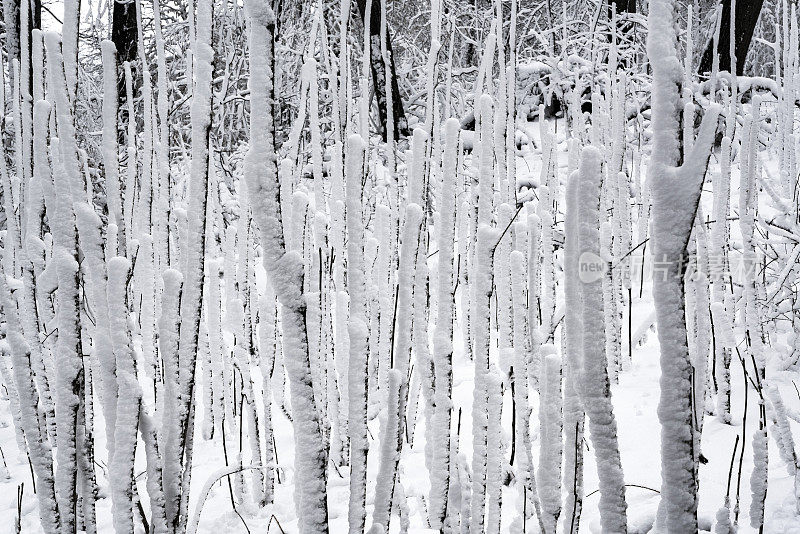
[[498, 316]]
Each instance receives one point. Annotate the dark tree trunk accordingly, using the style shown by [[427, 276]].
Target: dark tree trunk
[[625, 6], [124, 31], [36, 14], [747, 12], [124, 35], [379, 72], [11, 21]]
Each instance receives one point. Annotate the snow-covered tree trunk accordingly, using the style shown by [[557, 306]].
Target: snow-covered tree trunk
[[267, 331], [676, 193], [548, 476], [178, 432], [41, 456], [393, 429], [596, 385], [121, 468], [574, 415], [482, 282], [443, 335], [109, 140], [69, 365], [285, 270], [358, 334]]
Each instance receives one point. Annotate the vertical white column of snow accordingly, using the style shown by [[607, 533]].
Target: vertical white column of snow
[[791, 84], [609, 303], [91, 241], [69, 368], [676, 193], [342, 66], [401, 354], [502, 267], [35, 246], [13, 400], [25, 126], [168, 335], [786, 104], [545, 209], [229, 333], [618, 193], [483, 281], [267, 331], [317, 311], [144, 282], [496, 462], [162, 181], [121, 469], [522, 353], [234, 379], [371, 252], [341, 360], [782, 434], [358, 334], [534, 297], [245, 350], [443, 333], [109, 139], [18, 183], [208, 380], [23, 201], [131, 168], [72, 9], [155, 485], [144, 271], [381, 272], [758, 477], [624, 243], [286, 274], [178, 431], [421, 167], [421, 373], [431, 69], [41, 456], [748, 204], [34, 200], [720, 231], [143, 220], [500, 117], [574, 416], [702, 345], [319, 254], [391, 420], [466, 244], [363, 81], [595, 380], [511, 108], [12, 238], [215, 340], [548, 477]]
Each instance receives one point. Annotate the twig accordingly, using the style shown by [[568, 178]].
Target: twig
[[271, 517], [627, 486], [506, 229]]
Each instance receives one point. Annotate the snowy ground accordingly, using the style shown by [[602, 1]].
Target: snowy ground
[[635, 401]]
